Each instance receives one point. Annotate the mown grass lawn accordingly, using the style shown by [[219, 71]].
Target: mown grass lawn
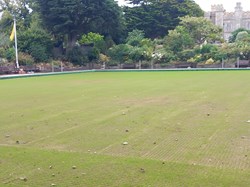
[[182, 129]]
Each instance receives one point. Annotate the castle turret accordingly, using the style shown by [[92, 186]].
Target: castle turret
[[218, 11], [238, 15], [238, 7]]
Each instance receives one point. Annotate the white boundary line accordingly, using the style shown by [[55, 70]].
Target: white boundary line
[[118, 70]]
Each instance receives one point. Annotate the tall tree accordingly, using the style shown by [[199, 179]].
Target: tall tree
[[6, 22], [234, 34], [21, 9], [4, 40], [35, 40], [201, 29], [179, 39], [72, 18], [192, 32], [156, 17]]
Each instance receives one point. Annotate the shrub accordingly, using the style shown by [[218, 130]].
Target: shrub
[[186, 54], [209, 61], [10, 54], [76, 56], [38, 52], [91, 38], [25, 59], [2, 52]]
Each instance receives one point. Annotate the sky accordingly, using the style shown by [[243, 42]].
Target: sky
[[206, 4]]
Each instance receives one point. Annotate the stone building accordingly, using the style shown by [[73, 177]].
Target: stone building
[[229, 21]]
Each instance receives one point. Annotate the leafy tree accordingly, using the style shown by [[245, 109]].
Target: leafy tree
[[103, 58], [76, 56], [21, 9], [35, 41], [192, 32], [135, 50], [243, 36], [4, 40], [141, 47], [135, 37], [6, 23], [201, 29], [234, 34], [120, 53], [10, 54], [163, 56], [97, 44], [240, 46], [237, 49], [209, 51], [136, 2], [74, 17], [242, 49], [186, 54], [179, 39], [91, 38], [104, 45], [25, 59], [156, 17], [93, 54], [137, 54]]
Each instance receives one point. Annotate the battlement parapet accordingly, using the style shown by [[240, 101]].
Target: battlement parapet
[[217, 8], [246, 14], [229, 15]]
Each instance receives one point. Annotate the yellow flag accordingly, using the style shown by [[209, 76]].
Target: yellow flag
[[12, 35]]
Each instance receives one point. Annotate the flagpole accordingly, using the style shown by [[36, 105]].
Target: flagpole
[[17, 64]]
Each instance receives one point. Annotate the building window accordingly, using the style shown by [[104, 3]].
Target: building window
[[227, 27]]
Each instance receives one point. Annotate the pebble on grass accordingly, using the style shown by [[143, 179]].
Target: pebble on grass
[[142, 170], [23, 179]]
